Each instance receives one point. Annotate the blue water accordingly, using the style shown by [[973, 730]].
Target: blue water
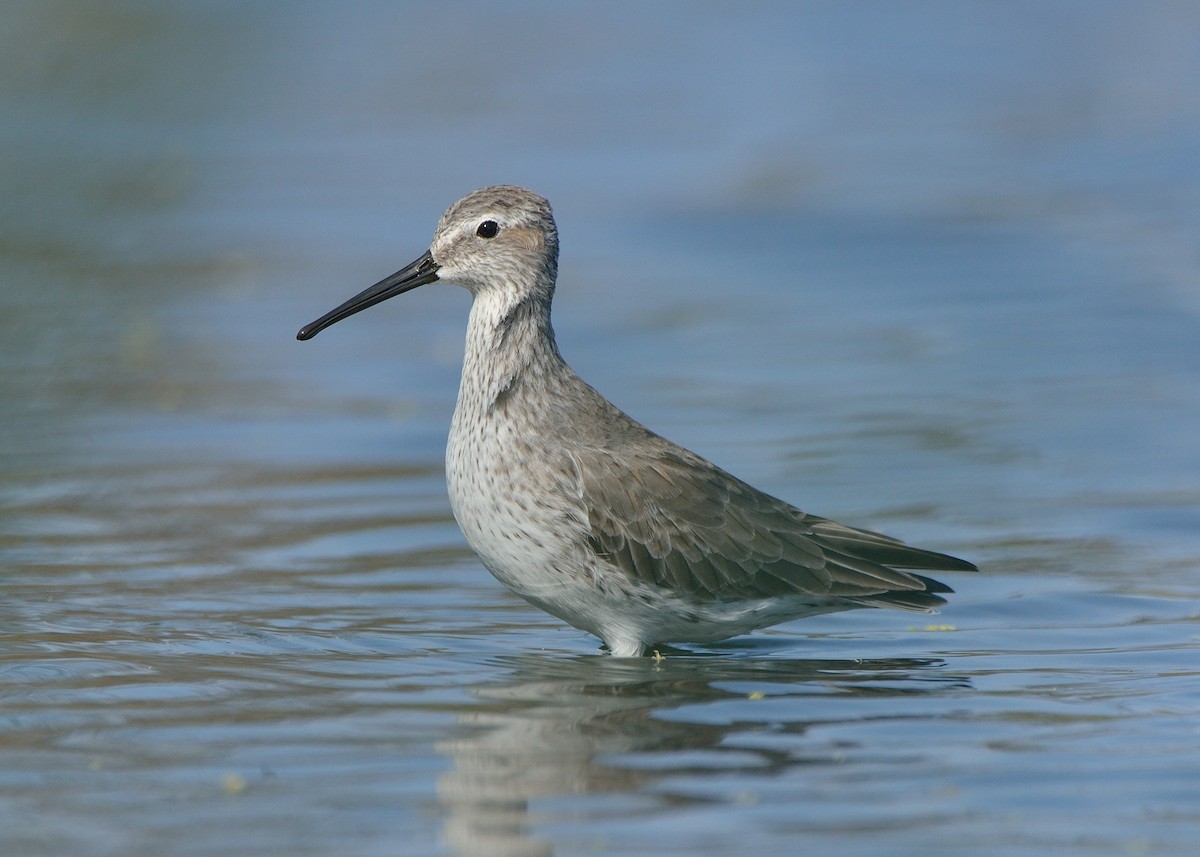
[[928, 269]]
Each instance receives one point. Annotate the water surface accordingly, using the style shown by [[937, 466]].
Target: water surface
[[933, 272]]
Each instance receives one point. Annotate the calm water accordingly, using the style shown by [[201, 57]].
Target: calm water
[[933, 272]]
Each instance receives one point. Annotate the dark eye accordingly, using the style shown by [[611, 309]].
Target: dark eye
[[488, 229]]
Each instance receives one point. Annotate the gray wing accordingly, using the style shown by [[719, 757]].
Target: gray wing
[[670, 519]]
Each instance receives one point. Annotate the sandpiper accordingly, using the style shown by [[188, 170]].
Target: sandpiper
[[587, 514]]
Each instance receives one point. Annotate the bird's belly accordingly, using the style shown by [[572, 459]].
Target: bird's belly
[[524, 554], [520, 550], [525, 527]]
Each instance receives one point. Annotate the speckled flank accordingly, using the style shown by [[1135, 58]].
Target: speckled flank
[[592, 517]]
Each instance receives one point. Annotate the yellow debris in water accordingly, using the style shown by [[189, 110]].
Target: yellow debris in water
[[233, 784]]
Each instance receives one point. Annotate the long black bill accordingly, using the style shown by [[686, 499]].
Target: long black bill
[[420, 272]]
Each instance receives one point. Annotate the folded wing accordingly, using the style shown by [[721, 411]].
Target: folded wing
[[673, 520]]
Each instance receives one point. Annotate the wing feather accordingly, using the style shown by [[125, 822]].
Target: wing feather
[[672, 520]]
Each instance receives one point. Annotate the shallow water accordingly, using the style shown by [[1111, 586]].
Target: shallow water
[[933, 273]]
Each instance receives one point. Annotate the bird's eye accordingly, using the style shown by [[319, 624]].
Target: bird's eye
[[488, 229]]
